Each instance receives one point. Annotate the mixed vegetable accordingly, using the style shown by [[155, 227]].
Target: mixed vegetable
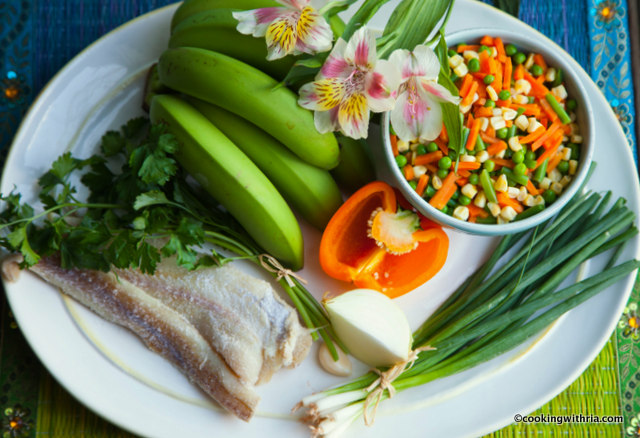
[[521, 142]]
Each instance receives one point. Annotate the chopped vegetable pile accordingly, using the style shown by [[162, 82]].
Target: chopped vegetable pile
[[521, 144]]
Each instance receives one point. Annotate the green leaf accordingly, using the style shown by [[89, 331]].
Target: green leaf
[[157, 169], [135, 127], [362, 16], [150, 198], [112, 143]]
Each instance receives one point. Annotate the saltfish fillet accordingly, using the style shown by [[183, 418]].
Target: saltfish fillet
[[162, 328]]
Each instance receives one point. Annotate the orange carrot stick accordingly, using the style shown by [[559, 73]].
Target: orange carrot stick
[[488, 138], [428, 158], [506, 78], [553, 128], [464, 47], [502, 55], [532, 189], [468, 98], [533, 136], [442, 146], [487, 40], [548, 153], [537, 89], [518, 73], [468, 165], [539, 59], [473, 134], [497, 147], [548, 110], [505, 200], [422, 184], [475, 211], [553, 162], [408, 172], [497, 82], [466, 84], [444, 136], [442, 196], [394, 144], [484, 111], [502, 162], [530, 109]]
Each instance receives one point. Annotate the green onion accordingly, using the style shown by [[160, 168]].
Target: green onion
[[541, 171], [562, 114], [487, 186], [529, 212]]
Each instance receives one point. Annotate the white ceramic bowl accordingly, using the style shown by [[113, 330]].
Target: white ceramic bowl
[[555, 57]]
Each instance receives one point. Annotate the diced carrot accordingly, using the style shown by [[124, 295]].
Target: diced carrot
[[473, 134], [484, 61], [427, 158], [537, 89], [464, 173], [462, 181], [539, 59], [496, 148], [504, 103], [500, 48], [548, 110], [475, 211], [491, 132], [482, 89], [432, 168], [502, 162], [442, 196], [488, 138], [533, 136], [548, 153], [444, 136], [422, 184], [487, 40], [442, 146], [463, 47], [553, 162], [554, 126], [468, 98], [531, 188], [530, 109], [470, 120], [478, 75], [497, 82], [566, 129], [394, 144], [554, 140], [506, 77], [493, 66], [408, 172], [518, 73], [505, 200], [468, 165], [509, 123], [466, 84], [484, 111]]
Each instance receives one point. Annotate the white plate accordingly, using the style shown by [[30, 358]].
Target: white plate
[[111, 372]]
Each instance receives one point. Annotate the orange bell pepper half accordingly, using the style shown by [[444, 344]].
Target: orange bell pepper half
[[350, 251]]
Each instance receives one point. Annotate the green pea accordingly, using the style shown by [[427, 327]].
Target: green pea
[[571, 104], [510, 49], [473, 65], [520, 169], [489, 165], [483, 48], [444, 163], [530, 155], [452, 204], [455, 195], [504, 94], [474, 179], [432, 147], [401, 160], [430, 191], [421, 149], [563, 166], [549, 196], [531, 164], [536, 70], [451, 52], [413, 184], [464, 200], [518, 157], [490, 103], [442, 173], [502, 133], [445, 209], [519, 58], [489, 79], [454, 77], [575, 151]]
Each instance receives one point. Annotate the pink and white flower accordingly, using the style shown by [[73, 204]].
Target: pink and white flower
[[351, 83], [418, 114], [293, 28]]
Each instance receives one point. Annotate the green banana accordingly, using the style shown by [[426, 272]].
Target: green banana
[[191, 7], [232, 179], [251, 94], [215, 30], [310, 191], [356, 166]]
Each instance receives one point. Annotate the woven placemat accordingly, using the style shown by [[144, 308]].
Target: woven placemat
[[37, 38]]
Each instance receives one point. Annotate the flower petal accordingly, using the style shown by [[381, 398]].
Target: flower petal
[[313, 31], [322, 95], [426, 62], [439, 92], [281, 36], [327, 121], [361, 49], [256, 21], [416, 115], [381, 86], [353, 116], [294, 4], [336, 66]]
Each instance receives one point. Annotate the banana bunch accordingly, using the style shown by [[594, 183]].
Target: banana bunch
[[242, 135]]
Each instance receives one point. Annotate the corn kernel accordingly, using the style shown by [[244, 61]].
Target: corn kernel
[[576, 138], [522, 86], [480, 200], [465, 109], [513, 192], [520, 98], [550, 75], [572, 117], [418, 171], [494, 51], [497, 112], [529, 201], [497, 122], [491, 92], [501, 221], [501, 153], [533, 124], [482, 101], [529, 62], [466, 158], [470, 54], [461, 70], [508, 213], [501, 184], [522, 122], [514, 144], [566, 154], [436, 182], [555, 175], [455, 61], [545, 183], [565, 180], [482, 156], [461, 212], [494, 208], [509, 113], [559, 92], [522, 194], [484, 123], [538, 200], [573, 166], [469, 190], [557, 187], [403, 146], [575, 129]]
